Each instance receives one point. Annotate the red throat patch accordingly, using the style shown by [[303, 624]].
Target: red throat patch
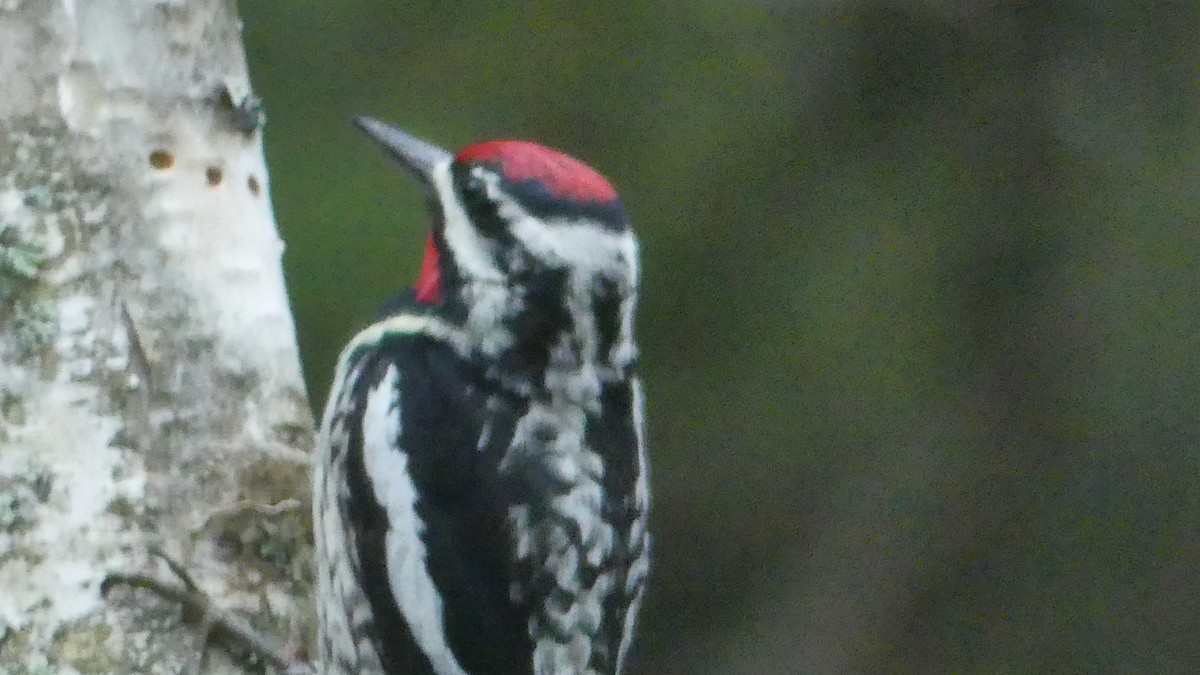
[[563, 176], [429, 283]]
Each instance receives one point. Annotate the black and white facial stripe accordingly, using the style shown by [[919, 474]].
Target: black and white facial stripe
[[517, 275]]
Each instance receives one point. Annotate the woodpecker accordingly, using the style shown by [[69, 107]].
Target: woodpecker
[[481, 497]]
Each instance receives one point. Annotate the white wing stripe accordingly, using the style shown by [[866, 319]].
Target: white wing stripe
[[408, 575]]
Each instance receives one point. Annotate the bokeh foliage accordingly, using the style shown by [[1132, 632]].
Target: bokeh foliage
[[920, 311]]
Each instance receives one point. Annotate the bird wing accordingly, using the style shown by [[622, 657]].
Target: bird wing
[[415, 511], [345, 620]]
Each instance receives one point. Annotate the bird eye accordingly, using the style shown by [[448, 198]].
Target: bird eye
[[480, 208]]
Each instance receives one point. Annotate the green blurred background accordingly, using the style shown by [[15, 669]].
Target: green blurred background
[[919, 318]]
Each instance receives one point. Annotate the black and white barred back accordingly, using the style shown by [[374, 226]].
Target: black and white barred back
[[481, 496]]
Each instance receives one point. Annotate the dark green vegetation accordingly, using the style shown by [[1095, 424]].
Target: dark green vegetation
[[920, 318]]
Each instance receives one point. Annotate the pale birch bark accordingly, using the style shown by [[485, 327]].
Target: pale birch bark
[[150, 388]]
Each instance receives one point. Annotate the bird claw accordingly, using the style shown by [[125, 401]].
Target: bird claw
[[215, 625]]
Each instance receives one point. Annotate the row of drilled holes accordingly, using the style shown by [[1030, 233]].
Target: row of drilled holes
[[163, 160]]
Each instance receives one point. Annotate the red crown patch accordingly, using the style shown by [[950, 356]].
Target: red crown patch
[[562, 176]]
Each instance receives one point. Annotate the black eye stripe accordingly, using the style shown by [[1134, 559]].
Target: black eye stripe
[[482, 211], [532, 197]]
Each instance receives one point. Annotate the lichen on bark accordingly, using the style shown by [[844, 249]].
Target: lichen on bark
[[150, 391]]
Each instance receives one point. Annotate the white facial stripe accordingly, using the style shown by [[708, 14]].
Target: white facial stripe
[[586, 248], [592, 253], [623, 352], [472, 251], [589, 248], [485, 289]]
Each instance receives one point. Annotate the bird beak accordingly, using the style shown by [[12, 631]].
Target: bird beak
[[415, 155]]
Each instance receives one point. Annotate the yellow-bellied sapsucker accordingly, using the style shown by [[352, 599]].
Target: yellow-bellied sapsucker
[[481, 495]]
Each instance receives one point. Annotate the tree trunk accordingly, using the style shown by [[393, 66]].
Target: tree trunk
[[150, 388]]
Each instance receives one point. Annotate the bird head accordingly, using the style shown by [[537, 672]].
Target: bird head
[[530, 247]]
